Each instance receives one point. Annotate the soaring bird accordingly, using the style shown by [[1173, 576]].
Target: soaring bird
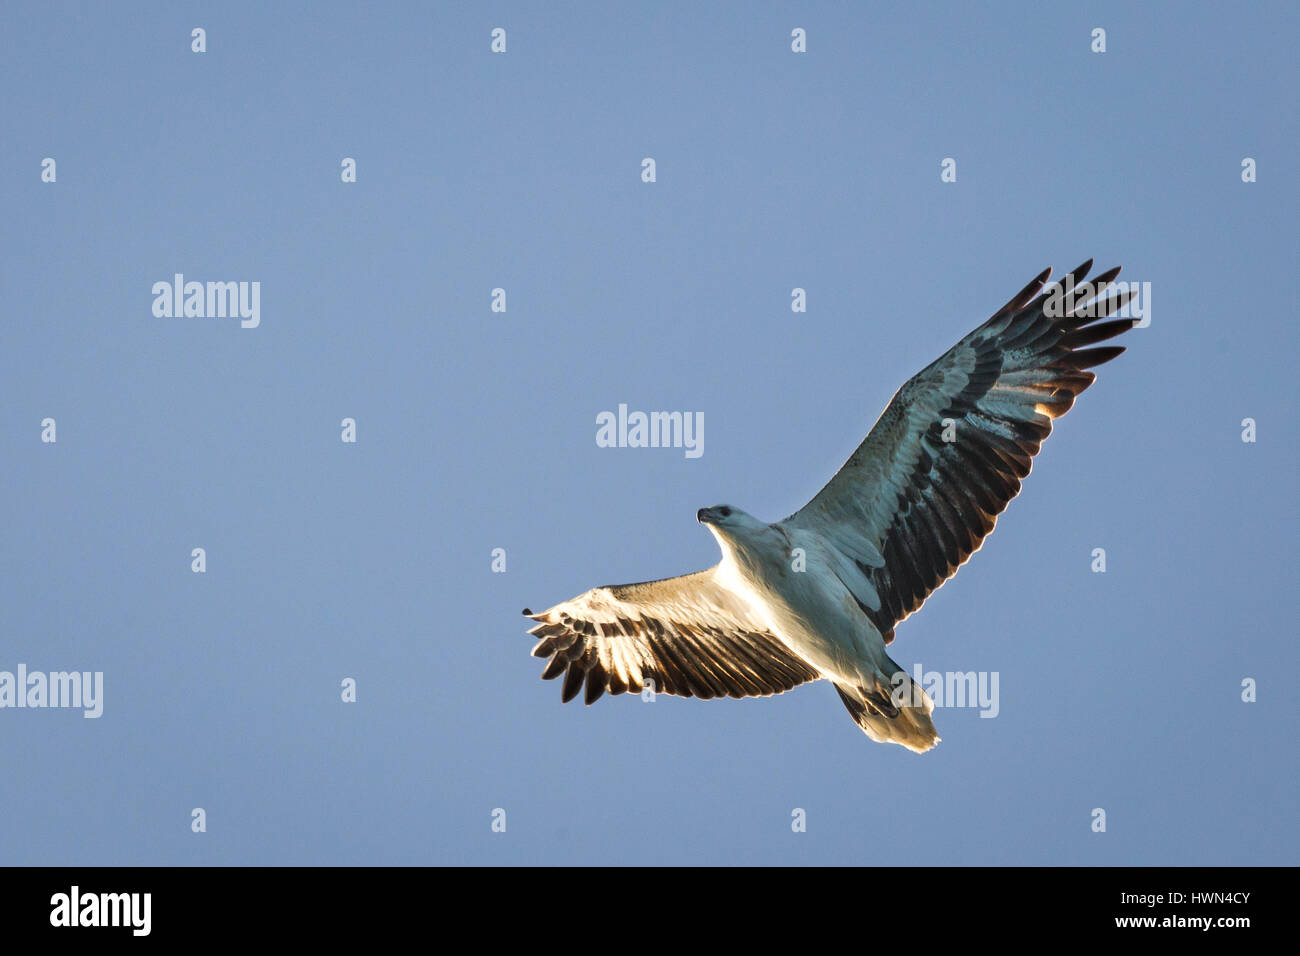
[[820, 593]]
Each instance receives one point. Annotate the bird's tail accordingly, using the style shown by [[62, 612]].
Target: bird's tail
[[892, 709]]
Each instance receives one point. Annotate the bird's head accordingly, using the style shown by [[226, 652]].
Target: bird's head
[[728, 521], [742, 537]]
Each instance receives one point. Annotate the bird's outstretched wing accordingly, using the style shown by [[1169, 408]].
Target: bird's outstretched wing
[[925, 487], [689, 634]]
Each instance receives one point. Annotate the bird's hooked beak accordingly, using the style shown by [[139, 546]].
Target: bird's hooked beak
[[706, 516]]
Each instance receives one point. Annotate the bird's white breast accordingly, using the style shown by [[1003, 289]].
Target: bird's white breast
[[811, 610]]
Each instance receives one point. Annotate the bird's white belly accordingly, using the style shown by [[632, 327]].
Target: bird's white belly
[[816, 616]]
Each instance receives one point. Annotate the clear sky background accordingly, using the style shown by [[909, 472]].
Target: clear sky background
[[476, 430]]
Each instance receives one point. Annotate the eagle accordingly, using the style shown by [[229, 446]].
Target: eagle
[[818, 595]]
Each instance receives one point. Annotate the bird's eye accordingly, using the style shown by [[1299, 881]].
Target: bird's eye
[[726, 512]]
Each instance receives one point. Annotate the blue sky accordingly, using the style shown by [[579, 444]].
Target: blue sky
[[476, 429]]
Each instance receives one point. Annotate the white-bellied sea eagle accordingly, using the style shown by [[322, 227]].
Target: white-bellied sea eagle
[[912, 504]]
